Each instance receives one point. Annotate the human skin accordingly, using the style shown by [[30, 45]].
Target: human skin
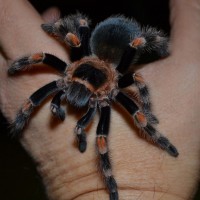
[[142, 170]]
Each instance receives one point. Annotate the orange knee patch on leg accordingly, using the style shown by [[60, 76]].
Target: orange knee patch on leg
[[37, 57], [140, 119], [102, 144], [27, 106], [73, 40], [138, 42]]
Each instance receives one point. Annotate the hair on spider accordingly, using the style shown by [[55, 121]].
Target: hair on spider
[[97, 77], [110, 37]]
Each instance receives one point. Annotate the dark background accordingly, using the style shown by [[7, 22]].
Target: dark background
[[18, 177]]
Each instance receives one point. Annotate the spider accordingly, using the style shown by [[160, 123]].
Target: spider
[[97, 76]]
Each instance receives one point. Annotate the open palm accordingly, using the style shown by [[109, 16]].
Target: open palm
[[141, 170]]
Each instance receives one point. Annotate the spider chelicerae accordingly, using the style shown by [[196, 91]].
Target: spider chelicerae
[[96, 77]]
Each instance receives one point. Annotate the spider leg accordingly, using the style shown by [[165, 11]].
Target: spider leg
[[136, 79], [81, 125], [155, 46], [149, 46], [84, 34], [33, 101], [73, 30], [126, 59], [38, 58], [83, 50], [55, 105], [146, 127], [102, 148]]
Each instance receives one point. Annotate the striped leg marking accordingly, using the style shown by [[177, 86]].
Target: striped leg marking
[[102, 148], [81, 125], [137, 80], [38, 58], [27, 108], [21, 119], [56, 108], [143, 124]]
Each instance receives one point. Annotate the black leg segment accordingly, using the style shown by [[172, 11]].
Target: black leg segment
[[56, 108], [127, 103], [84, 32], [42, 93], [82, 124], [27, 108], [126, 59], [126, 80], [77, 52], [142, 123], [104, 123], [38, 58], [160, 140], [55, 62], [137, 80]]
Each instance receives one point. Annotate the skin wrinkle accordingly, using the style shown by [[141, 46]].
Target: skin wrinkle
[[64, 173], [80, 179], [59, 187], [131, 189], [62, 170], [94, 189]]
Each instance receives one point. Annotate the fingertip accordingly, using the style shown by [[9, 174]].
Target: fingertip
[[21, 31], [51, 15]]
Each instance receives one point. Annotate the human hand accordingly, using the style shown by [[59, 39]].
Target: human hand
[[141, 170]]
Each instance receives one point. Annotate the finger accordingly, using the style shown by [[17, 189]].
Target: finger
[[21, 34], [185, 22], [20, 31]]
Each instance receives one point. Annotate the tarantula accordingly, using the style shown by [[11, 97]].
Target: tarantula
[[96, 77]]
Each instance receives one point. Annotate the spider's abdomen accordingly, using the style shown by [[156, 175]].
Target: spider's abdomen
[[110, 38]]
